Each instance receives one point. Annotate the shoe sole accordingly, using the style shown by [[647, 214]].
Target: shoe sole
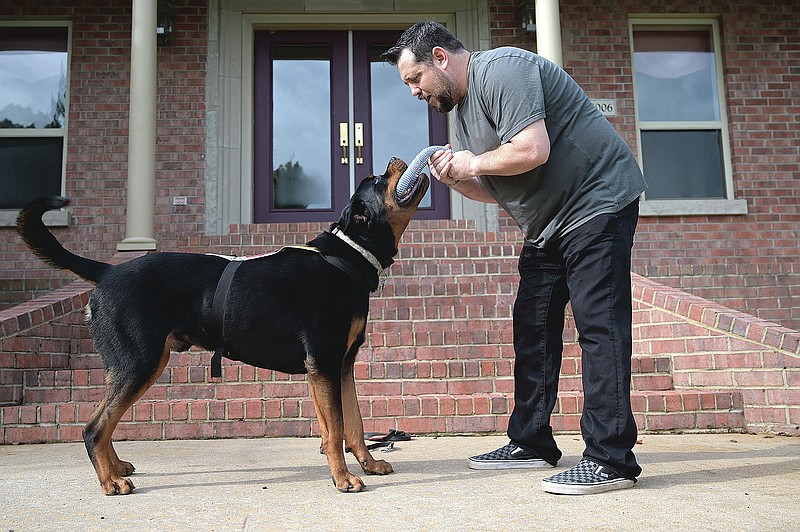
[[587, 489], [508, 464]]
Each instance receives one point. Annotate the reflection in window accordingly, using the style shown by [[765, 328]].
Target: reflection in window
[[33, 110], [676, 77], [33, 77], [301, 106]]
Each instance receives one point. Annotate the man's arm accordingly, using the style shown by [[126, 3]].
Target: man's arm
[[525, 151], [473, 189]]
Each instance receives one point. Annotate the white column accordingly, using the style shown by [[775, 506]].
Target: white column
[[548, 31], [140, 214]]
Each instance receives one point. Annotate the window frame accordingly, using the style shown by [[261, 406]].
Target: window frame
[[60, 217], [688, 206]]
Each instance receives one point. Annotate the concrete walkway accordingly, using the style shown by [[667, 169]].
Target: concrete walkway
[[690, 482]]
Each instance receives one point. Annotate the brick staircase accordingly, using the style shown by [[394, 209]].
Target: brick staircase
[[437, 359]]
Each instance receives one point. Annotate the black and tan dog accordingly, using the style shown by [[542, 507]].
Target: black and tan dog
[[295, 311]]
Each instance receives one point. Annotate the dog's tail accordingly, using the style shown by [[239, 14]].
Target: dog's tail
[[42, 242]]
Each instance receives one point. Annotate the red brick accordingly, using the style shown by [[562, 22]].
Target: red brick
[[179, 411], [472, 424], [670, 421], [70, 433], [138, 431], [31, 434], [254, 409], [182, 431], [447, 405]]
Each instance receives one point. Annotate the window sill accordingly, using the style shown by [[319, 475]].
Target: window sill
[[60, 218], [691, 207]]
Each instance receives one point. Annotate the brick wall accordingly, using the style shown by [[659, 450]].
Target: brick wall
[[697, 366], [750, 262], [97, 135]]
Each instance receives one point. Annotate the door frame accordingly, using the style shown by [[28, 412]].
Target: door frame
[[229, 92]]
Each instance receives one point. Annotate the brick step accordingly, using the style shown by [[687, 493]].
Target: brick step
[[476, 270], [424, 414], [187, 377], [407, 250], [441, 230], [446, 232]]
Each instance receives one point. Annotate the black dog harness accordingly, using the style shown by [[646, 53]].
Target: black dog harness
[[224, 284]]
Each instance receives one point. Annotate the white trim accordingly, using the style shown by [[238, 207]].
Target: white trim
[[229, 145], [688, 206], [692, 207]]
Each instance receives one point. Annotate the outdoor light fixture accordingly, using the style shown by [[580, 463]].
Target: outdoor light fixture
[[528, 15], [165, 23]]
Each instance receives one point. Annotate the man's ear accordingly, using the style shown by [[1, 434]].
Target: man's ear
[[439, 57]]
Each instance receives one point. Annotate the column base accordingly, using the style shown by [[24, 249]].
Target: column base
[[137, 243]]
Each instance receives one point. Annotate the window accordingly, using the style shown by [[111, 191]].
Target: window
[[682, 127], [33, 112]]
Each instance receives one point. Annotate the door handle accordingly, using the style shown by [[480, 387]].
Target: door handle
[[359, 142], [343, 135]]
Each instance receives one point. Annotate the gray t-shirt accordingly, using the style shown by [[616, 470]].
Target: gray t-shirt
[[590, 171]]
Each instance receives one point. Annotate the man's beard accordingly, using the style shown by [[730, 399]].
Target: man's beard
[[443, 95], [444, 102]]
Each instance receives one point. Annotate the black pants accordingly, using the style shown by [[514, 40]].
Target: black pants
[[590, 267]]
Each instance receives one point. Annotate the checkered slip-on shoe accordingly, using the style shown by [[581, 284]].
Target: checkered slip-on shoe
[[586, 478], [507, 457]]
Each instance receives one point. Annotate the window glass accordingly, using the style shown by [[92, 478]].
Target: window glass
[[33, 77], [676, 76], [683, 164], [301, 123], [32, 168], [391, 106], [33, 111]]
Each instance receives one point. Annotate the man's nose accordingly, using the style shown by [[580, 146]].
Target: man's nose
[[415, 91]]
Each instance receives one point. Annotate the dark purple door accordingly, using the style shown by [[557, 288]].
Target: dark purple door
[[315, 138]]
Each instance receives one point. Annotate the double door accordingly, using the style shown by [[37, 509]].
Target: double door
[[328, 113]]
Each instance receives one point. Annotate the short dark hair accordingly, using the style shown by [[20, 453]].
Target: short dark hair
[[421, 39]]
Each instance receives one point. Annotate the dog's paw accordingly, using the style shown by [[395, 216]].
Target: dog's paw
[[377, 467], [348, 483], [124, 468], [117, 486]]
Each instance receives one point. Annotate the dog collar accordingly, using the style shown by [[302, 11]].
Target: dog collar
[[366, 254]]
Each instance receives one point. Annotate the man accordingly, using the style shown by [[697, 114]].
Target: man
[[536, 145]]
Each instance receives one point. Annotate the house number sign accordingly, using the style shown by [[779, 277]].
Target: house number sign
[[607, 107]]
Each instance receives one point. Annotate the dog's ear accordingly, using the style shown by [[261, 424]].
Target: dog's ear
[[354, 213], [358, 213]]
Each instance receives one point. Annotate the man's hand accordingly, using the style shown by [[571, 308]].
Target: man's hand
[[450, 167]]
